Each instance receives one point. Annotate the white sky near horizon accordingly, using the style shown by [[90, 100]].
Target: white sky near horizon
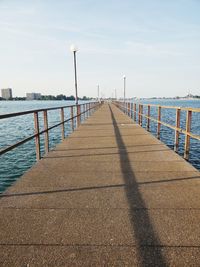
[[156, 44]]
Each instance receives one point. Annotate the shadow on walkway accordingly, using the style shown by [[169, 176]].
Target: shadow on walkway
[[147, 241], [61, 190]]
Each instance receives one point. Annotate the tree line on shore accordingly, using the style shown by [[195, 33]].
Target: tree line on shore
[[50, 97]]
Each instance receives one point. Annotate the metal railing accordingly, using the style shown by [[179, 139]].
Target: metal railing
[[87, 109], [136, 109]]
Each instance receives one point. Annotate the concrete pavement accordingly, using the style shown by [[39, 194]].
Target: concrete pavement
[[110, 195]]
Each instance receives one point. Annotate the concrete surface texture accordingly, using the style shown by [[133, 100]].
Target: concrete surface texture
[[110, 195]]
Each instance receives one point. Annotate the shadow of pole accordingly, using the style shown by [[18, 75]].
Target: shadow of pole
[[147, 241]]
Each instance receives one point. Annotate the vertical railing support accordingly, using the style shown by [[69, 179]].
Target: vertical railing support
[[148, 115], [141, 114], [46, 134], [88, 110], [135, 109], [62, 121], [78, 115], [72, 119], [85, 112], [129, 109], [187, 137], [159, 124], [37, 137], [176, 141]]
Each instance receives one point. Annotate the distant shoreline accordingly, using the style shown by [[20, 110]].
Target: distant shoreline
[[92, 99], [183, 98]]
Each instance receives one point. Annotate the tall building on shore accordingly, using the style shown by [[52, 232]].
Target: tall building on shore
[[33, 96], [6, 93]]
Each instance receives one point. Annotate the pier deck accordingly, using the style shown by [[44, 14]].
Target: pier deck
[[111, 194]]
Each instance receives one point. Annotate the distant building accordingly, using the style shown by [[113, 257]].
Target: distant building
[[33, 96], [6, 93]]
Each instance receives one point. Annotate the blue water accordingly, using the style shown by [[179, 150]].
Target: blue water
[[14, 163]]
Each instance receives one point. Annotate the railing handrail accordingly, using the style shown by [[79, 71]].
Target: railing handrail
[[36, 135], [21, 113], [126, 106], [167, 107], [172, 107]]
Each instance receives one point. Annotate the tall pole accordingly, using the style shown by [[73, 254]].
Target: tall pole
[[124, 87], [98, 91], [74, 49], [115, 94], [75, 76]]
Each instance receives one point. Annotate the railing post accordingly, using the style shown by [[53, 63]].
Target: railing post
[[85, 112], [159, 124], [187, 137], [62, 120], [135, 108], [141, 114], [128, 110], [131, 110], [37, 137], [81, 112], [176, 143], [88, 112], [148, 115], [84, 109], [46, 134], [72, 119], [90, 109], [92, 105], [78, 115]]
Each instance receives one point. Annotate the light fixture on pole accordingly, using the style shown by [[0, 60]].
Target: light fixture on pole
[[74, 49], [124, 77]]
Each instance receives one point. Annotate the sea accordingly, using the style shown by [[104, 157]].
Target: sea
[[14, 163]]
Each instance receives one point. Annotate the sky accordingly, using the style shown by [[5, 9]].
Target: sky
[[155, 44]]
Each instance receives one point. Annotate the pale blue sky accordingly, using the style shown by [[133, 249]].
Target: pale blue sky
[[156, 44]]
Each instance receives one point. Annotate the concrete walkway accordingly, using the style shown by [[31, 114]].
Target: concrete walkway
[[110, 195]]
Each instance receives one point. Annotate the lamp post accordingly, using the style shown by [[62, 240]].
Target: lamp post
[[124, 77], [74, 49], [98, 92]]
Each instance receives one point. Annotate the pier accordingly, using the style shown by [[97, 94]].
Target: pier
[[111, 194]]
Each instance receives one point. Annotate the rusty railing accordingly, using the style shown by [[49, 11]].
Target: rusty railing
[[75, 118], [136, 109]]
